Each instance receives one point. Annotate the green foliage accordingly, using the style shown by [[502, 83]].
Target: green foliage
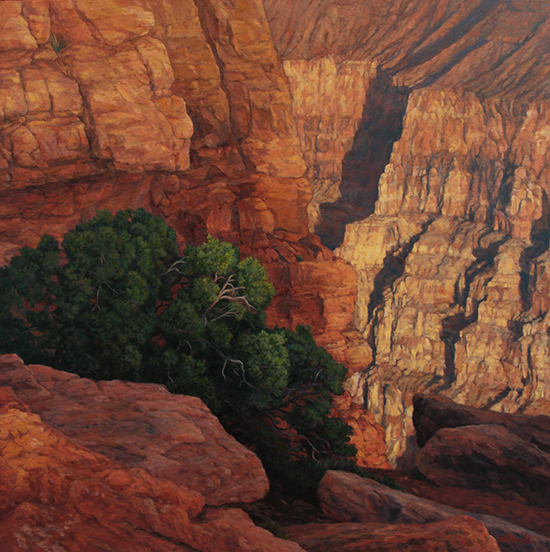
[[274, 528], [118, 301], [59, 42]]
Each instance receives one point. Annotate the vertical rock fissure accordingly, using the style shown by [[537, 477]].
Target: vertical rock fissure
[[540, 240], [206, 24], [452, 326], [394, 266], [381, 126], [393, 269]]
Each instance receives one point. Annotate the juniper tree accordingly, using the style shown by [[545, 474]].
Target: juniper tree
[[117, 300]]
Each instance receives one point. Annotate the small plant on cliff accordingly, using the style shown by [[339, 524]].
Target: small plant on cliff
[[116, 300], [59, 42]]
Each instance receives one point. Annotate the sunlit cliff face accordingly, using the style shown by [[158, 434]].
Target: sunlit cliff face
[[425, 127], [409, 137]]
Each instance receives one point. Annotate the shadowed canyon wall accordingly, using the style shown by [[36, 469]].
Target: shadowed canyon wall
[[432, 149]]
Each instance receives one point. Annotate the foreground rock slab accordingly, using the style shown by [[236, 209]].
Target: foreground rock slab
[[350, 498], [460, 534], [490, 458], [435, 412], [141, 426], [57, 495]]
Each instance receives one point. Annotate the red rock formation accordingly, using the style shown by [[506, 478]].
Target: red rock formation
[[89, 127], [368, 436], [481, 502], [490, 458], [141, 426], [57, 494], [459, 533], [350, 498], [434, 412], [484, 46]]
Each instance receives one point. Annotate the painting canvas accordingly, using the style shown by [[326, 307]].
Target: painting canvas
[[334, 239]]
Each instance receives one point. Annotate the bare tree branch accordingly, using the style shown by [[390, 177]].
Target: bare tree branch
[[228, 292], [173, 267]]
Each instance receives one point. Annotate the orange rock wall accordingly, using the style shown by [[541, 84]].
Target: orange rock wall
[[449, 231], [182, 108], [451, 270]]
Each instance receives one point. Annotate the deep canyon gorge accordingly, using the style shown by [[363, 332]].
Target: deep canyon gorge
[[388, 162]]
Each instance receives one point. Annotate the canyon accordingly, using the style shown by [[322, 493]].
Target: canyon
[[388, 162]]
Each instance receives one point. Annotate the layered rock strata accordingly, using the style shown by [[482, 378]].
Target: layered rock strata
[[181, 108], [451, 280], [451, 253], [485, 46]]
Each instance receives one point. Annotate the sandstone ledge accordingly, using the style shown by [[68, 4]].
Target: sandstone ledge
[[173, 437]]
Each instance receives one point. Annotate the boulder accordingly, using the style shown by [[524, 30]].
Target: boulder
[[460, 533], [434, 412], [487, 457], [58, 495], [350, 498], [141, 426]]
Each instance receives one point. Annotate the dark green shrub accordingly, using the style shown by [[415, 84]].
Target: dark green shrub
[[274, 528], [116, 300]]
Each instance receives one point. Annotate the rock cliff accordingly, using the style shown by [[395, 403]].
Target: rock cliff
[[435, 191], [410, 136], [451, 292], [183, 108]]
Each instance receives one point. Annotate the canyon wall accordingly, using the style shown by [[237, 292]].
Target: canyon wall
[[452, 294], [410, 137], [181, 107], [425, 129]]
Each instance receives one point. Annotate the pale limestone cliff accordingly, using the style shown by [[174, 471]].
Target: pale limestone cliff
[[451, 289]]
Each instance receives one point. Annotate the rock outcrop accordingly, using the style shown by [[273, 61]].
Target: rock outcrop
[[349, 498], [435, 412], [58, 494], [454, 534], [490, 458], [172, 437]]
